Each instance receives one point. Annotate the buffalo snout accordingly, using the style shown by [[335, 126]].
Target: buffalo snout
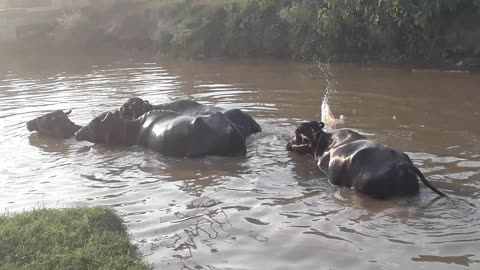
[[32, 125]]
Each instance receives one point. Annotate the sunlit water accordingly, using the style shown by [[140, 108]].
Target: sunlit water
[[269, 209]]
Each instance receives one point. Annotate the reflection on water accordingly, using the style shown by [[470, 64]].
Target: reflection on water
[[461, 260], [270, 209]]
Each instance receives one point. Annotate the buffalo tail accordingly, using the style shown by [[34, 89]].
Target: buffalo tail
[[416, 171]]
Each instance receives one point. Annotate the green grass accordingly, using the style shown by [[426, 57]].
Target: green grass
[[76, 238]]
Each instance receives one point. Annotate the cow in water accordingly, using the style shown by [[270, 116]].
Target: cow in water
[[351, 160]]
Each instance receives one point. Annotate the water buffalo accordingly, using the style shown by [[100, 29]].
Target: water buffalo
[[135, 107], [169, 133], [351, 160], [55, 124]]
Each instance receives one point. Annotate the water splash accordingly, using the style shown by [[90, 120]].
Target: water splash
[[327, 116]]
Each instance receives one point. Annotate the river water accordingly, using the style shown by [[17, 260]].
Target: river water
[[269, 209]]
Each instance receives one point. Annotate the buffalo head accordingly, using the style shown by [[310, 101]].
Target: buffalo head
[[106, 128], [306, 138], [55, 124], [134, 107]]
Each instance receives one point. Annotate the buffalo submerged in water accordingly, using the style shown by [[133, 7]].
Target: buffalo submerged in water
[[136, 107], [54, 124], [351, 160], [180, 128], [169, 133]]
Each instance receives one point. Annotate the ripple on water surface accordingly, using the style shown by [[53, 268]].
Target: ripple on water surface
[[269, 209]]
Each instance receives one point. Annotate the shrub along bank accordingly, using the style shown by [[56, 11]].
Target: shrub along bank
[[427, 31]]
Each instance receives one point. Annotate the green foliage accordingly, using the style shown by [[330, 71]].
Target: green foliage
[[383, 28], [254, 27], [81, 238], [356, 30], [197, 29], [305, 40]]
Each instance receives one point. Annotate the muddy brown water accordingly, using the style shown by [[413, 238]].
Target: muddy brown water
[[269, 209]]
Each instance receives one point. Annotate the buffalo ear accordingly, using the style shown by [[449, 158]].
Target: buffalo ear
[[116, 113], [111, 115], [316, 125]]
